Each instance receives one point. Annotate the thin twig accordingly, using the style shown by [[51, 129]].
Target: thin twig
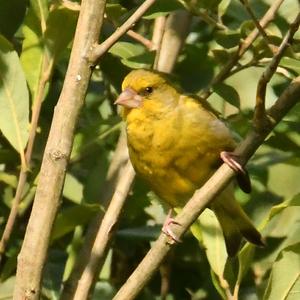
[[74, 287], [151, 262], [260, 120], [99, 50], [104, 236], [259, 27], [134, 35], [243, 47], [202, 14], [138, 37]]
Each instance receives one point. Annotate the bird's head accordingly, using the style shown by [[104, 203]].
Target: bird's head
[[142, 87]]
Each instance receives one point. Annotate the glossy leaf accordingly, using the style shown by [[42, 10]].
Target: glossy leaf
[[14, 98], [284, 282], [222, 7], [228, 93], [73, 189], [213, 241], [132, 55], [40, 8], [60, 31], [33, 56], [291, 64]]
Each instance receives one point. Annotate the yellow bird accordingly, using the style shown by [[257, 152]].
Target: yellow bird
[[175, 142]]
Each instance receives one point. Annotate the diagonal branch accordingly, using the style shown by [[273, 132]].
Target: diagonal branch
[[243, 47], [151, 262], [99, 50], [260, 120], [258, 26]]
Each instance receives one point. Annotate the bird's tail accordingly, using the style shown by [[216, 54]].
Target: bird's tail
[[234, 222]]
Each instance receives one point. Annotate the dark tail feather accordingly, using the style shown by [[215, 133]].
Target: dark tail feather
[[235, 223], [232, 235]]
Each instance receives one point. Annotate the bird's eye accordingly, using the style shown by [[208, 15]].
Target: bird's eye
[[148, 90]]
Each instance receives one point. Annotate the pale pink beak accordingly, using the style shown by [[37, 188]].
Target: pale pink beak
[[129, 98]]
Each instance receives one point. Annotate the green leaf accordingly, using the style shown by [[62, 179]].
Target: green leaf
[[220, 55], [213, 241], [132, 55], [284, 282], [222, 7], [103, 290], [162, 8], [73, 189], [14, 97], [71, 217], [8, 179], [33, 55], [245, 260], [291, 63], [115, 11], [228, 38], [40, 8], [246, 27], [142, 61], [44, 43], [60, 31], [126, 50], [7, 288], [228, 93], [295, 201]]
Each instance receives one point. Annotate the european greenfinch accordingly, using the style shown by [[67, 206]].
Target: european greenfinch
[[175, 142]]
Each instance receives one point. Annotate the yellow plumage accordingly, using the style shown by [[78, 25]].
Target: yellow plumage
[[174, 143]]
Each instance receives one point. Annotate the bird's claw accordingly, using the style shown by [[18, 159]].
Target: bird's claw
[[232, 161], [168, 231], [242, 175]]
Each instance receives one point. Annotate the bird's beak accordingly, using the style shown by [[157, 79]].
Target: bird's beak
[[129, 98]]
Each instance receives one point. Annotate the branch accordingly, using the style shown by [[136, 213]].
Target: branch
[[99, 50], [243, 47], [134, 35], [71, 5], [176, 29], [81, 278], [34, 249], [260, 120], [138, 37], [103, 238], [259, 27], [201, 199], [193, 9], [157, 36]]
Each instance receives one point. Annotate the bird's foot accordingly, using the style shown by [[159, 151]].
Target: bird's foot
[[232, 161], [168, 231], [242, 175]]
